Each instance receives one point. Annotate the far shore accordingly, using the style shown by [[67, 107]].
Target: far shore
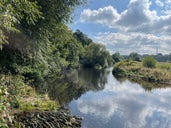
[[161, 74]]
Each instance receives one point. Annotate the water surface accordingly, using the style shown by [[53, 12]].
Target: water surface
[[123, 105], [106, 102]]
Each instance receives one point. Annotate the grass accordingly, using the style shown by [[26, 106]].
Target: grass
[[30, 100], [135, 70], [164, 66], [16, 96], [24, 97]]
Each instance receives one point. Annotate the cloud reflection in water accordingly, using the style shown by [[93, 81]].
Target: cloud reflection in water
[[124, 105]]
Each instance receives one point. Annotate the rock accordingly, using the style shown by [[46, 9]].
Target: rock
[[47, 119]]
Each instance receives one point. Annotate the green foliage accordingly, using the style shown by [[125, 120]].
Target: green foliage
[[134, 70], [14, 93], [116, 57], [15, 63], [8, 87], [68, 48], [55, 47], [12, 12], [5, 117], [159, 57], [149, 62], [163, 58], [135, 56], [81, 37], [60, 51], [96, 56], [58, 10], [119, 67], [55, 12], [164, 66], [50, 49], [52, 45], [43, 22]]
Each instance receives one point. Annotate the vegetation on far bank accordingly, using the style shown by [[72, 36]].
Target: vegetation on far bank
[[160, 73], [137, 57]]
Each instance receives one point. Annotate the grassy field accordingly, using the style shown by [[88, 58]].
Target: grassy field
[[134, 70], [164, 66]]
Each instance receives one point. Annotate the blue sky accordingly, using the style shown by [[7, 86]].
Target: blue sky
[[127, 26]]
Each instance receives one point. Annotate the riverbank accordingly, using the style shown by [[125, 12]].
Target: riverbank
[[134, 70], [47, 119], [22, 106]]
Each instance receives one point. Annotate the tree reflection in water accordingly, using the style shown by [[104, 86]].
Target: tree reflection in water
[[73, 84], [147, 86]]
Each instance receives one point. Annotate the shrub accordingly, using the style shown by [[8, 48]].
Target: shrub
[[5, 117], [10, 89], [118, 69], [149, 62]]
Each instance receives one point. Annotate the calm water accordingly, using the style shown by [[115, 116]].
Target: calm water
[[104, 102], [122, 105]]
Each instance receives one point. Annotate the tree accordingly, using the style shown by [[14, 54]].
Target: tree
[[54, 12], [149, 62], [116, 57], [96, 56], [51, 36], [68, 48], [12, 12], [42, 24], [135, 56], [81, 37], [163, 58]]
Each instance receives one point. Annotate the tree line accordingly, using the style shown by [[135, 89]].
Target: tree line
[[137, 57]]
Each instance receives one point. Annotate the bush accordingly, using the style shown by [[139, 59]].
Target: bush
[[118, 69], [10, 89], [149, 62], [5, 117]]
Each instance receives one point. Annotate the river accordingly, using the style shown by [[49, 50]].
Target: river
[[106, 102]]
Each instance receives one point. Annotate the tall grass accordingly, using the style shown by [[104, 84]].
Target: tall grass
[[135, 70], [17, 96], [164, 66]]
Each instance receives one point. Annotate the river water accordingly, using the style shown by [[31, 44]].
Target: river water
[[106, 102]]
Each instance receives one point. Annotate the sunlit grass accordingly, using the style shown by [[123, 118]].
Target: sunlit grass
[[30, 100], [164, 66], [161, 73]]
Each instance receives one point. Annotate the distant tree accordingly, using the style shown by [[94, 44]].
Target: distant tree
[[169, 57], [149, 62], [163, 58], [96, 55], [116, 57], [134, 56]]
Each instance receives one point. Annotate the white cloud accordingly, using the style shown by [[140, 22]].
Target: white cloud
[[129, 103], [159, 3], [138, 13], [104, 106], [106, 15], [138, 27], [142, 43], [168, 1]]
